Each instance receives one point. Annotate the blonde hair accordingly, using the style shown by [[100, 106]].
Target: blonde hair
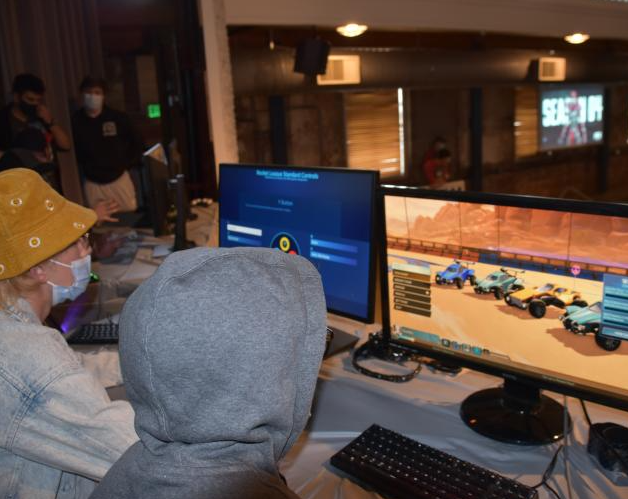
[[12, 289]]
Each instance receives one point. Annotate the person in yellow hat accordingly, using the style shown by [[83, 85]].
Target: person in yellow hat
[[60, 433]]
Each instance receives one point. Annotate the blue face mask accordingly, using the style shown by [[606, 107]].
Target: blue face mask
[[81, 270]]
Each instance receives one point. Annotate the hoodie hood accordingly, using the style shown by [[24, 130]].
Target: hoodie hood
[[220, 350]]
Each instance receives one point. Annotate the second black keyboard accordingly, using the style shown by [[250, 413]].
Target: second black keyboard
[[403, 468], [99, 333]]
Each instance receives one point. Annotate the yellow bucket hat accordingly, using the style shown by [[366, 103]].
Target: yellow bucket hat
[[36, 222]]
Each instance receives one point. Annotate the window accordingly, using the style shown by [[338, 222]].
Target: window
[[375, 131], [526, 122]]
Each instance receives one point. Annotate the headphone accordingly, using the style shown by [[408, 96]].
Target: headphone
[[377, 347], [608, 443]]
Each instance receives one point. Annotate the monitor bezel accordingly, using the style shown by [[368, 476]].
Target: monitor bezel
[[369, 318], [605, 397]]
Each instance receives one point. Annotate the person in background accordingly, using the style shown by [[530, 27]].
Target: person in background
[[437, 144], [29, 150], [106, 146], [27, 110], [60, 433], [437, 170], [226, 387]]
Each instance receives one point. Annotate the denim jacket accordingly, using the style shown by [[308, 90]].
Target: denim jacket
[[59, 432]]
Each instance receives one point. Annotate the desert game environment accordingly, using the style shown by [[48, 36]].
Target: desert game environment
[[426, 236]]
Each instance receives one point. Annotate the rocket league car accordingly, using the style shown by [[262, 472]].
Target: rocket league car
[[457, 273], [499, 283], [537, 300], [583, 320]]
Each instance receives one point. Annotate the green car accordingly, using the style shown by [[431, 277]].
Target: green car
[[499, 283], [583, 320]]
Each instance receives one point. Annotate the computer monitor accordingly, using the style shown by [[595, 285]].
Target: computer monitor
[[324, 214], [534, 290]]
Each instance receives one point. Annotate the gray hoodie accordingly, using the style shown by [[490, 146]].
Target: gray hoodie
[[219, 350]]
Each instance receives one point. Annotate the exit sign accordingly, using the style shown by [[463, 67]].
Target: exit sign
[[153, 111]]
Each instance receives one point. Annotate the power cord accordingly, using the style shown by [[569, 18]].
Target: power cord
[[547, 474], [566, 432]]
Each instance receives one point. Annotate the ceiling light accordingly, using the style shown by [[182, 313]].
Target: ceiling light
[[577, 38], [351, 29]]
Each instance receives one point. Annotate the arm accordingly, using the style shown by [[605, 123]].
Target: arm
[[72, 425], [61, 138]]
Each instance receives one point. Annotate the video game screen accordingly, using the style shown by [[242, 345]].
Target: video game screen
[[540, 292], [325, 215], [571, 116]]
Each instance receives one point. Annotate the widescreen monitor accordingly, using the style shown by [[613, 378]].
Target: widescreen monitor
[[326, 215], [534, 290], [570, 116]]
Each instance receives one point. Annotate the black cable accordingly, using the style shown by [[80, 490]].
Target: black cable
[[586, 413], [550, 469], [551, 489]]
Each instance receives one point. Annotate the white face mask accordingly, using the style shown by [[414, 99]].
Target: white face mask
[[81, 270], [93, 102]]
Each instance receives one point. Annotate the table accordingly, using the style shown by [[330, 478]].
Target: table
[[426, 409], [346, 403]]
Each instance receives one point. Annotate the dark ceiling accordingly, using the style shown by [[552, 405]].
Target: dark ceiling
[[260, 36]]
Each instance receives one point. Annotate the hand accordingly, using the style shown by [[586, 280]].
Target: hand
[[43, 113], [104, 210]]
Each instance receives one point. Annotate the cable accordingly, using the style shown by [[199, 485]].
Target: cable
[[547, 474], [586, 412], [551, 489], [566, 432], [549, 470]]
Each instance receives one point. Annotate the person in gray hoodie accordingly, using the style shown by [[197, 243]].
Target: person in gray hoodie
[[220, 350]]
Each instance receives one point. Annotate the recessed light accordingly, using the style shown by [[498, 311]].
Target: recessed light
[[577, 38], [351, 29]]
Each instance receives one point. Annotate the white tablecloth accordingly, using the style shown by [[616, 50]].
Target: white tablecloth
[[426, 409]]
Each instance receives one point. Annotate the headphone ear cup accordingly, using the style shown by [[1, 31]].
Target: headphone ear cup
[[608, 443]]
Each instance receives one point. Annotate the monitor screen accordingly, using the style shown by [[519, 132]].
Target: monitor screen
[[571, 116], [529, 288], [323, 214]]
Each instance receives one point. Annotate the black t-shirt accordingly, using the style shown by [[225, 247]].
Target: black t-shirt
[[106, 145], [10, 127]]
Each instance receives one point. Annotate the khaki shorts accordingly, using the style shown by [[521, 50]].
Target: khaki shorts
[[121, 190]]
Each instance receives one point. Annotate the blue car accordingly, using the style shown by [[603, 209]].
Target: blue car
[[457, 273]]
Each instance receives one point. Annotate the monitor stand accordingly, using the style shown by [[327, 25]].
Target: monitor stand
[[516, 414]]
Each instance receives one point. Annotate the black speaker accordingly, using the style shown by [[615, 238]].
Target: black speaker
[[311, 57]]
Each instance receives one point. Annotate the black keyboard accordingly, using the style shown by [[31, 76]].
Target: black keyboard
[[95, 333], [400, 467]]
